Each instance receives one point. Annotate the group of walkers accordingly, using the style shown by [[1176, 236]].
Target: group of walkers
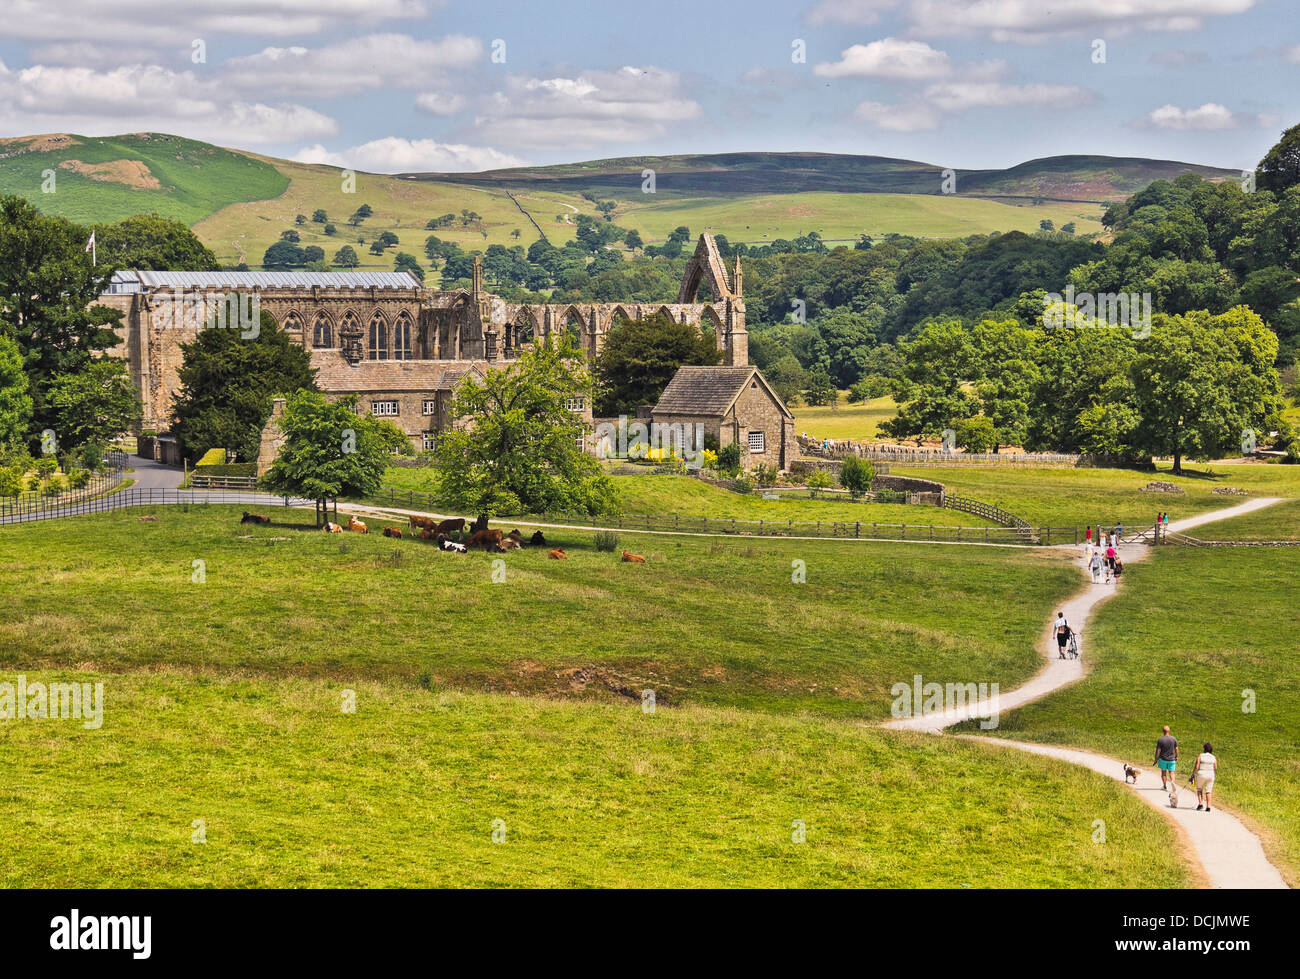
[[1102, 553], [1162, 524], [1203, 772]]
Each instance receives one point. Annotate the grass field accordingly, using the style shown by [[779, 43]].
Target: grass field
[[1278, 522], [407, 791], [704, 621], [759, 217], [522, 702], [858, 422], [108, 179], [1063, 497], [1191, 632], [682, 495]]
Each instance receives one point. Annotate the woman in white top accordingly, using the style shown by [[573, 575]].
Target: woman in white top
[[1206, 766]]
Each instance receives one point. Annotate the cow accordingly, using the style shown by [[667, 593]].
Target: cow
[[392, 532], [485, 540], [253, 518], [510, 544], [356, 526], [427, 534], [450, 545], [332, 528], [537, 540], [450, 525], [423, 523], [558, 555], [633, 558]]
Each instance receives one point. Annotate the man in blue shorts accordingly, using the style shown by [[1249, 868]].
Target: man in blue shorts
[[1166, 757]]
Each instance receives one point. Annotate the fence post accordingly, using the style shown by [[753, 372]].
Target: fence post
[[857, 529]]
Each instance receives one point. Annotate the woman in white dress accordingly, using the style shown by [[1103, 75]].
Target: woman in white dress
[[1206, 766]]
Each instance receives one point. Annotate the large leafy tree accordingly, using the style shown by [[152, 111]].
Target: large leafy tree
[[1199, 381], [936, 364], [1007, 370], [15, 401], [150, 241], [95, 404], [521, 454], [228, 384], [1280, 168], [47, 287], [640, 357], [329, 450]]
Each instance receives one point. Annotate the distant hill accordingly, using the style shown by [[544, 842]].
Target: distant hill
[[239, 203], [109, 178], [1091, 179]]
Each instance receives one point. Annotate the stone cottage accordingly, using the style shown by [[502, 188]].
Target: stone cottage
[[733, 404]]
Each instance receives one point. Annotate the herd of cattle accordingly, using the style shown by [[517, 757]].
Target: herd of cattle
[[444, 532]]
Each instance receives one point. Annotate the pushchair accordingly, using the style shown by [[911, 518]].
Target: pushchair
[[1074, 645]]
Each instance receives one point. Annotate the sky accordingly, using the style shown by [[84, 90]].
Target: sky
[[424, 85]]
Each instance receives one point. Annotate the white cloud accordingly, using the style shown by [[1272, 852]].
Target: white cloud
[[959, 96], [439, 103], [1292, 54], [596, 107], [857, 13], [1178, 58], [1033, 20], [908, 118], [888, 58], [361, 64], [398, 155], [150, 22], [141, 97], [1204, 118]]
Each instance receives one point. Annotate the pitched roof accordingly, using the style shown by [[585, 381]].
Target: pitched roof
[[270, 280], [335, 375], [709, 390]]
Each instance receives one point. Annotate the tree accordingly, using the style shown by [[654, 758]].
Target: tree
[[515, 234], [319, 216], [821, 389], [313, 253], [633, 240], [331, 230], [47, 287], [300, 219], [1200, 381], [228, 384], [283, 254], [15, 401], [290, 236], [388, 239], [95, 404], [521, 453], [346, 257], [640, 357], [149, 241], [976, 434], [856, 476], [329, 451], [365, 211], [1280, 169], [407, 262], [937, 362]]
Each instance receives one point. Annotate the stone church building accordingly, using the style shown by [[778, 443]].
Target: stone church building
[[401, 347]]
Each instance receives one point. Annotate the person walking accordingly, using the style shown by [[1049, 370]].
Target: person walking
[[1117, 570], [1062, 629], [1110, 562], [1206, 766], [1166, 757], [1119, 529], [1094, 565]]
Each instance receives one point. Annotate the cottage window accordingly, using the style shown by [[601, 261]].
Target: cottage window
[[384, 408], [757, 441], [574, 404], [430, 406], [430, 441]]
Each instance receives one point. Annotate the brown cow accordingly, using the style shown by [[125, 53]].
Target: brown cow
[[356, 526], [332, 528], [450, 525], [427, 534], [425, 523], [558, 555], [392, 532], [510, 544], [253, 518], [484, 540], [633, 558]]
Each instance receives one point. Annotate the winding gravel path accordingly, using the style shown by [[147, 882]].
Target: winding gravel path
[[1231, 854]]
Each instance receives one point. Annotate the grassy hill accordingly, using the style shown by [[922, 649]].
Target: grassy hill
[[239, 203], [107, 179]]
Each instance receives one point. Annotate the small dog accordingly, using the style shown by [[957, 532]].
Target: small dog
[[1173, 792], [1131, 773], [633, 558]]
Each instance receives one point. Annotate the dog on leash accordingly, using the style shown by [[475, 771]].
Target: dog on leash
[[1131, 773], [1173, 793]]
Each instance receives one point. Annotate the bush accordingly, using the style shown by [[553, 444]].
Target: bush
[[55, 486], [856, 476], [33, 483], [231, 469], [765, 475], [91, 456], [79, 478], [870, 387], [46, 465], [729, 459], [11, 481], [818, 479], [743, 486], [606, 540], [976, 434], [213, 457]]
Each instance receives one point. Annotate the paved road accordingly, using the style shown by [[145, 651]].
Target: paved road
[[154, 475]]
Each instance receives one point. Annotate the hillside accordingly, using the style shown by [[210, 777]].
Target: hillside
[[239, 203], [110, 178]]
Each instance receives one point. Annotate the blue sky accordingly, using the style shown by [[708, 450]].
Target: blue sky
[[395, 85]]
